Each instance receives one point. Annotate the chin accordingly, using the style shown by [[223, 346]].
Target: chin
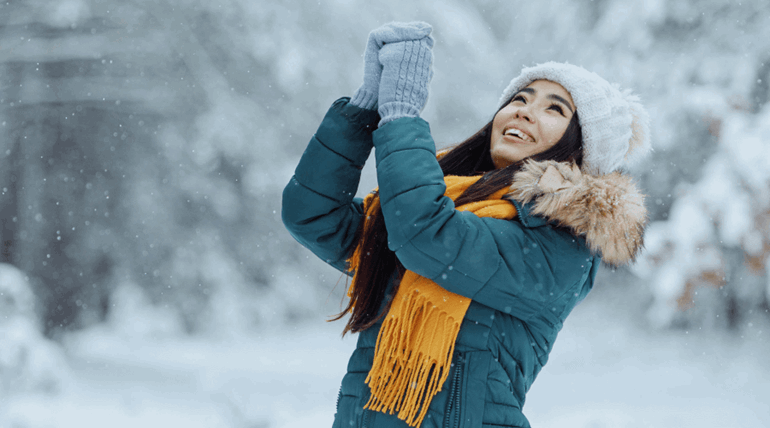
[[503, 161]]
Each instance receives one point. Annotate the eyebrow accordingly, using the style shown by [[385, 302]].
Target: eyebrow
[[550, 97]]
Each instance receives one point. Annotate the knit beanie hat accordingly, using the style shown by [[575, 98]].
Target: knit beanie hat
[[615, 126]]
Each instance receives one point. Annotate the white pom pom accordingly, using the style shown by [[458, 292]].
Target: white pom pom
[[639, 145]]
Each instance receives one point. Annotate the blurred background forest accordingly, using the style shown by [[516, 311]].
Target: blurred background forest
[[144, 145]]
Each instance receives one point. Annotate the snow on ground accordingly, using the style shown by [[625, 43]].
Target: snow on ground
[[285, 379], [604, 372]]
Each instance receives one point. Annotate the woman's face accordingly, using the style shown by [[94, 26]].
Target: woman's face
[[532, 122]]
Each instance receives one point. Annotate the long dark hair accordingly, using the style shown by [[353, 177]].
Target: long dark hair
[[378, 264]]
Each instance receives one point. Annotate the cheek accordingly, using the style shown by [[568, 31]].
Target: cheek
[[501, 117], [553, 128], [496, 122]]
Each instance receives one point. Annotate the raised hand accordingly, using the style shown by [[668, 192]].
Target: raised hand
[[407, 59], [367, 95]]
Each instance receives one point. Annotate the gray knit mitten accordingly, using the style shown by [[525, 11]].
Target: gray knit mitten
[[407, 68], [366, 95]]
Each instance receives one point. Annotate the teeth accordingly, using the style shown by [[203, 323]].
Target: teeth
[[516, 132]]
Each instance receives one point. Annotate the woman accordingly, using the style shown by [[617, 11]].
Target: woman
[[464, 266]]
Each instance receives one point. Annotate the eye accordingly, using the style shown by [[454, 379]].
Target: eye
[[519, 98], [557, 108]]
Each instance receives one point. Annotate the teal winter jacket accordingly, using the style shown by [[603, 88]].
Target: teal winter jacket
[[524, 276]]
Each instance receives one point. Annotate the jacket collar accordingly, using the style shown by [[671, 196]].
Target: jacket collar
[[607, 210], [523, 211]]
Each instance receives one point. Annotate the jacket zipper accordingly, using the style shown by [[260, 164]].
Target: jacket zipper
[[453, 403], [518, 207]]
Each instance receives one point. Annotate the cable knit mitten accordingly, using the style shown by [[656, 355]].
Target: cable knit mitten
[[394, 32], [406, 73], [367, 93]]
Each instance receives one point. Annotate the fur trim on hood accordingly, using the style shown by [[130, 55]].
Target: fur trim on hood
[[608, 210]]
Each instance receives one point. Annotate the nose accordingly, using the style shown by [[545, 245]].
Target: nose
[[524, 113]]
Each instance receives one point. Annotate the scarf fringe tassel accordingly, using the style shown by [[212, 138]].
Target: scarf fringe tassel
[[406, 381]]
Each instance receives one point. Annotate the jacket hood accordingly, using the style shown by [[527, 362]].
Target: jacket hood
[[607, 210]]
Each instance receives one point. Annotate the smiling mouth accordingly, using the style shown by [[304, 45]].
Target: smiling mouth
[[518, 133]]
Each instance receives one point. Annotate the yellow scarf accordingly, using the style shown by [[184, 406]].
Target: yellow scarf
[[417, 339]]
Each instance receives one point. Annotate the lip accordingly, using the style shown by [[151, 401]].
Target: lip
[[515, 137]]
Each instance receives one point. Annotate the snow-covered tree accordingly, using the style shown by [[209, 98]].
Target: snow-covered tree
[[708, 262], [28, 361], [147, 142]]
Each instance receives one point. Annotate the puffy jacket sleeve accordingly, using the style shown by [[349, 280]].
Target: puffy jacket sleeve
[[498, 263], [318, 206]]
